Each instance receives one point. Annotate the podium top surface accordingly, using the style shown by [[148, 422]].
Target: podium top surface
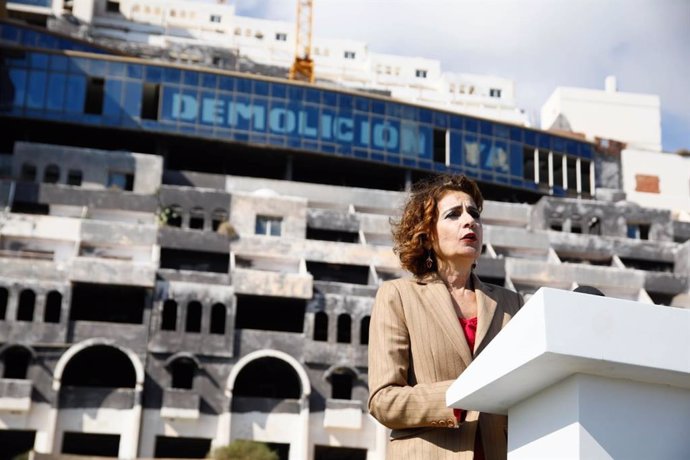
[[560, 333]]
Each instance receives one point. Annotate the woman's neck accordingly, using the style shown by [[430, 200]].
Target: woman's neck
[[456, 278]]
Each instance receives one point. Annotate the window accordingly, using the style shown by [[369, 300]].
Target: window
[[218, 313], [218, 217], [344, 328], [349, 54], [93, 102], [215, 18], [638, 231], [183, 370], [169, 319], [3, 302], [120, 180], [53, 307], [173, 215], [321, 327], [495, 92], [196, 218], [28, 172], [193, 323], [112, 7], [364, 331], [25, 310], [281, 36], [420, 73], [341, 384], [269, 226], [74, 177], [51, 175], [150, 100], [440, 146], [17, 360]]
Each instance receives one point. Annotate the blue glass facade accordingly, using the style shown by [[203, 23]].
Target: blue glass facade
[[17, 34], [127, 93]]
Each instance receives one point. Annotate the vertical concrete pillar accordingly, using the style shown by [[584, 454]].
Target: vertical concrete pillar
[[299, 448], [129, 440], [224, 424]]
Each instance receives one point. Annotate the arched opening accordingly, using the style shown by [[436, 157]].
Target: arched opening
[[183, 371], [218, 217], [173, 215], [3, 302], [344, 328], [100, 366], [169, 316], [364, 331], [16, 360], [342, 380], [25, 309], [53, 307], [196, 218], [268, 378], [28, 172], [321, 326], [218, 314], [51, 175], [193, 323]]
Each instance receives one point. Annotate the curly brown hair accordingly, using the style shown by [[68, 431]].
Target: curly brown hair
[[412, 234]]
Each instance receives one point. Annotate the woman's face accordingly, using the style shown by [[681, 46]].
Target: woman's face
[[458, 232]]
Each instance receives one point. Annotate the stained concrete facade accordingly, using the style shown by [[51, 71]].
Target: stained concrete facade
[[174, 311]]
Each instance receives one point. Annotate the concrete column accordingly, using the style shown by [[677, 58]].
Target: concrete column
[[224, 424], [299, 448], [129, 441]]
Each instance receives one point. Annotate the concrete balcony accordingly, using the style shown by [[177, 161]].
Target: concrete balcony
[[343, 413], [15, 395], [180, 404], [258, 282]]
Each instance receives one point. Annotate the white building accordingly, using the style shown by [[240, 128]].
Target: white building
[[632, 118], [194, 28]]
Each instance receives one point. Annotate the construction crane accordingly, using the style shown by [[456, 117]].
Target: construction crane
[[303, 66]]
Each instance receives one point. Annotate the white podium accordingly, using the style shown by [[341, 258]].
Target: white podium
[[586, 377]]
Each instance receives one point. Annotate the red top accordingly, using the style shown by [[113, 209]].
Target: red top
[[469, 328]]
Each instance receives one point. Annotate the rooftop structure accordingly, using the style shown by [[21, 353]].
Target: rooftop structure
[[189, 256]]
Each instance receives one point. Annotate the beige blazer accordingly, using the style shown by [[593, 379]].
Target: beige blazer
[[416, 350]]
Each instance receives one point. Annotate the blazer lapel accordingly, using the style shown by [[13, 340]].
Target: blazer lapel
[[441, 308], [486, 309]]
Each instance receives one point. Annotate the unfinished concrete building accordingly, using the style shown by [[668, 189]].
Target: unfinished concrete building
[[190, 257]]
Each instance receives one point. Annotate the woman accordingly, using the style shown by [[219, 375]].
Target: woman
[[425, 331]]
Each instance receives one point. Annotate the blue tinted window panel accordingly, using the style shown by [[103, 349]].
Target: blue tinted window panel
[[36, 90], [29, 38], [135, 71], [19, 78], [500, 160], [362, 105], [586, 150], [131, 102], [345, 101], [517, 183], [328, 148], [456, 122], [16, 58], [516, 163], [278, 91], [116, 69], [502, 179], [516, 134], [409, 162], [154, 74], [172, 75], [330, 99], [441, 120], [485, 128], [209, 80], [424, 164], [261, 88], [487, 176], [211, 111], [56, 91], [530, 138], [243, 86], [359, 153], [295, 93], [97, 68], [471, 150], [425, 116], [426, 138], [60, 63], [39, 61], [486, 153], [312, 96], [471, 125], [9, 33], [190, 78], [558, 144], [501, 131], [377, 157], [571, 147], [112, 102], [455, 148], [226, 84], [543, 141], [378, 107]]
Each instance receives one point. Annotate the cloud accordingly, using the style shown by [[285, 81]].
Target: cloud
[[540, 44]]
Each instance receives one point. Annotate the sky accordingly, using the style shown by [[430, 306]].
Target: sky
[[539, 44]]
